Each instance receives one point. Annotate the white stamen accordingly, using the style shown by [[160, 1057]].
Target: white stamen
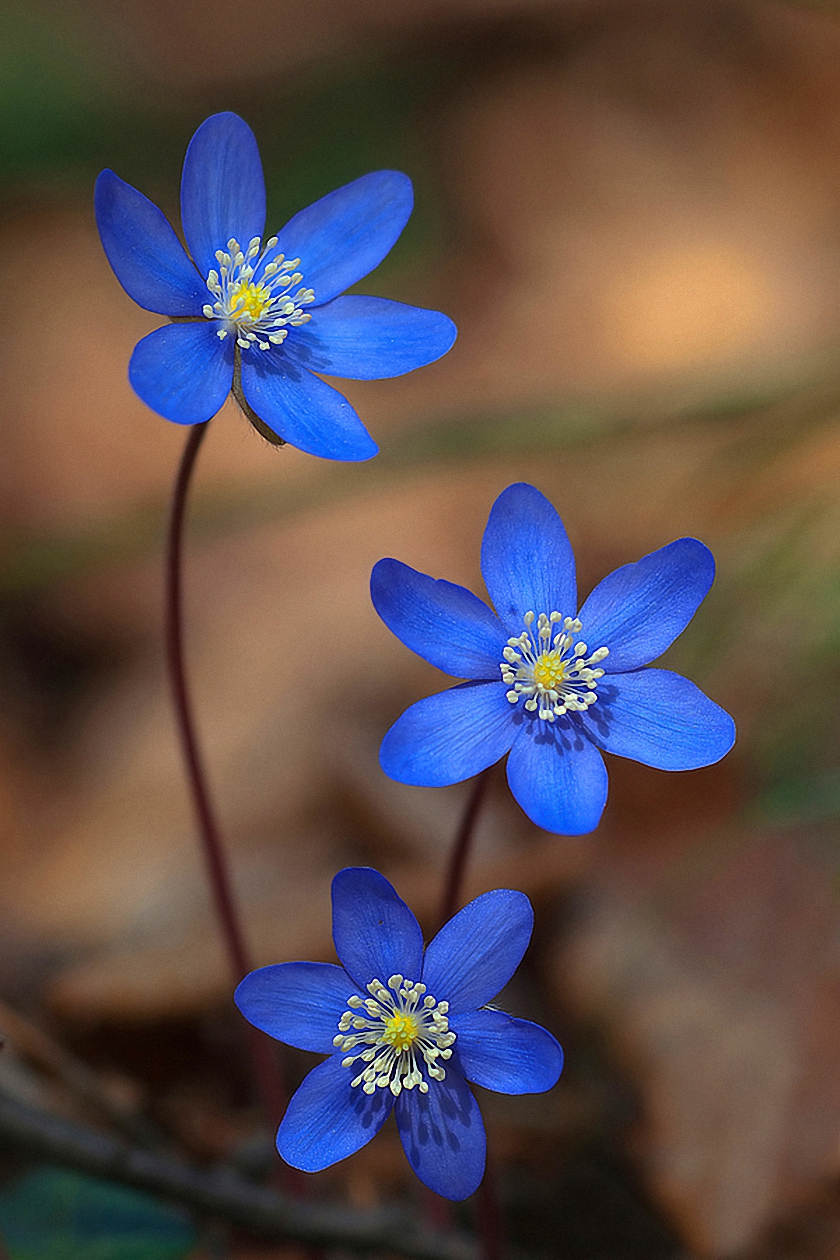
[[405, 1032], [255, 299], [553, 676]]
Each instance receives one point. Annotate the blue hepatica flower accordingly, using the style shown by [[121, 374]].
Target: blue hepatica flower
[[260, 317], [549, 684], [405, 1029]]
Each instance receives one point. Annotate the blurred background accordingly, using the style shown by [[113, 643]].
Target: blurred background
[[631, 208]]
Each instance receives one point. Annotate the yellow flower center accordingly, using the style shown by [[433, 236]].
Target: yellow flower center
[[549, 670], [401, 1031], [399, 1036], [553, 674], [256, 301], [249, 299]]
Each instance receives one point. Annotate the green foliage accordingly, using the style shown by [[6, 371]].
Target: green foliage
[[801, 800], [51, 111], [334, 129], [52, 1214]]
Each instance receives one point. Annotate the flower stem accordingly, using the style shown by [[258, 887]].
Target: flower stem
[[265, 1065], [489, 1217], [488, 1214], [453, 888]]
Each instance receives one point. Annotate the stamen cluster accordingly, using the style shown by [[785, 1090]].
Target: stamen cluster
[[398, 1032], [554, 674], [257, 311]]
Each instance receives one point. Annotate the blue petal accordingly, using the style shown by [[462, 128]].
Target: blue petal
[[510, 1056], [475, 954], [370, 338], [526, 558], [443, 1135], [342, 237], [222, 189], [376, 935], [147, 258], [326, 1120], [303, 410], [639, 610], [297, 1002], [558, 777], [661, 719], [183, 371], [450, 736], [445, 624]]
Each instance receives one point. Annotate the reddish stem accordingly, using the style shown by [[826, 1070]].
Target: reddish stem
[[265, 1064], [488, 1214], [453, 888], [489, 1217]]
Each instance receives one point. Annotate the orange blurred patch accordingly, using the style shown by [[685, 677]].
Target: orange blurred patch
[[689, 305]]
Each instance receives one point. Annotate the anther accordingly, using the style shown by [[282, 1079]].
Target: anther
[[402, 1028], [254, 301], [552, 676]]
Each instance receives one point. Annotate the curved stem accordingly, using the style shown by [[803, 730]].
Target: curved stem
[[488, 1214], [266, 1067], [453, 887]]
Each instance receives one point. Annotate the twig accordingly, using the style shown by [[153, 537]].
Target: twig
[[222, 1194], [34, 1044]]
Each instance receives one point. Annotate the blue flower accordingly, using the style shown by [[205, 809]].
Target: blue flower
[[405, 1029], [260, 317], [549, 684]]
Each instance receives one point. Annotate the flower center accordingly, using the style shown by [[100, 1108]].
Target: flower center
[[551, 671], [249, 300], [256, 300], [400, 1031], [399, 1027]]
